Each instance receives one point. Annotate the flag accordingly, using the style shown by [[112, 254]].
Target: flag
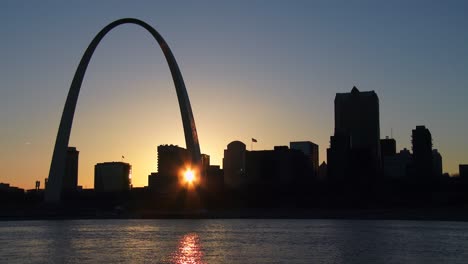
[[254, 140]]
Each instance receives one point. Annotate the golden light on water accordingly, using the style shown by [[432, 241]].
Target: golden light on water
[[189, 250]]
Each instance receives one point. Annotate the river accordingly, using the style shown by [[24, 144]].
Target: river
[[233, 241]]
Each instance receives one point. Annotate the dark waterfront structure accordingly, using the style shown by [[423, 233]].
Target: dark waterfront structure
[[423, 167], [354, 156], [57, 167], [70, 179], [112, 177]]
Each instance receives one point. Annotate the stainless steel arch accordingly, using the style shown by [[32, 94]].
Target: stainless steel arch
[[57, 167]]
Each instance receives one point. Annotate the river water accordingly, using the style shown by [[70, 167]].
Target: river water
[[233, 241]]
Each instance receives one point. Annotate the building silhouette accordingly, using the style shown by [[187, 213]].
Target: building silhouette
[[234, 164], [463, 171], [338, 157], [112, 177], [396, 166], [214, 178], [277, 168], [70, 179], [388, 147], [423, 162], [323, 172], [357, 116], [437, 163], [172, 162], [311, 150], [354, 156]]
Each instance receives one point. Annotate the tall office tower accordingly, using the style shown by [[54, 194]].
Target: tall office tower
[[112, 177], [422, 153], [357, 115], [70, 179], [354, 151], [311, 150]]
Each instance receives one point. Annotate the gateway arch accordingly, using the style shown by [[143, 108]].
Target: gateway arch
[[57, 166]]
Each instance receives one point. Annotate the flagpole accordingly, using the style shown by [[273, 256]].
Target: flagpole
[[253, 140]]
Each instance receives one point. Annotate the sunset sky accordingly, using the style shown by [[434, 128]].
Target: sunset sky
[[253, 69]]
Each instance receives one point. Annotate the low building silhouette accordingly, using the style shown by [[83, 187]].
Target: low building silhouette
[[437, 163], [70, 179], [338, 157], [112, 177], [280, 167], [6, 188], [311, 150], [234, 165], [388, 147], [214, 178], [323, 172], [172, 161], [396, 166], [463, 171]]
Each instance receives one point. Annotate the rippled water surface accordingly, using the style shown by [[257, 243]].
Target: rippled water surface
[[233, 241]]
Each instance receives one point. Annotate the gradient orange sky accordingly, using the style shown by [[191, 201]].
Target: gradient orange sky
[[265, 69]]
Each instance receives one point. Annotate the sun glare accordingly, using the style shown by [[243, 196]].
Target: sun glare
[[189, 176]]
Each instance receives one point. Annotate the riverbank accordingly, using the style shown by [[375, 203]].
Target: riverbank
[[424, 214]]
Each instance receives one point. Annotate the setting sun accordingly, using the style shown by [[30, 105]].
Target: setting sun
[[189, 176]]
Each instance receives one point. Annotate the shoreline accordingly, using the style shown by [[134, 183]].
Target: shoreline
[[459, 214]]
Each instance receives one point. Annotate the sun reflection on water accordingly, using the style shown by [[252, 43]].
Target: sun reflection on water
[[189, 250]]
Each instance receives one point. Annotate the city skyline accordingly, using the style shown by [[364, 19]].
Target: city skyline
[[125, 112]]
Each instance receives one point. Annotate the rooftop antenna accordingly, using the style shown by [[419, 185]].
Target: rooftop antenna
[[391, 132]]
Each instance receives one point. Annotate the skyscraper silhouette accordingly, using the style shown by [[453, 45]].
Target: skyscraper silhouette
[[357, 115], [354, 153]]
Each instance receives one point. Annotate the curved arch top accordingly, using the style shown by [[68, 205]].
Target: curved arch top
[[57, 167]]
